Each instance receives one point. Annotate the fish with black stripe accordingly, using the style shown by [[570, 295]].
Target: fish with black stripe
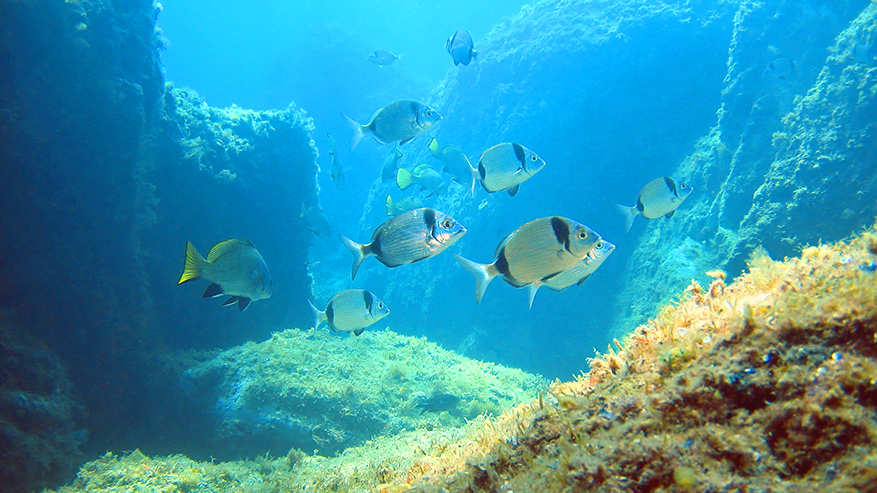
[[505, 166], [660, 197], [350, 311], [533, 254], [409, 237]]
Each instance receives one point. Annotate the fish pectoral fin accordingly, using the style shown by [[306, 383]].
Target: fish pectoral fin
[[669, 214], [212, 291], [358, 331], [243, 303], [231, 300], [514, 190]]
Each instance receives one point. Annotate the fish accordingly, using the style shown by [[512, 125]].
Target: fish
[[461, 47], [439, 403], [580, 272], [233, 267], [781, 68], [423, 175], [865, 53], [399, 122], [316, 221], [406, 204], [382, 57], [533, 254], [337, 173], [456, 163], [391, 164], [505, 166], [660, 197], [350, 311], [409, 237]]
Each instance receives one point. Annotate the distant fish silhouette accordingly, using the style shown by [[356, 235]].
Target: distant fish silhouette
[[382, 57]]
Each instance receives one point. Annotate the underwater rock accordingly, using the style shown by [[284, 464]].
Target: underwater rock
[[38, 430], [328, 393]]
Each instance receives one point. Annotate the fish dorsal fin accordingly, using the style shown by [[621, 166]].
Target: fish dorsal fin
[[222, 247], [514, 190]]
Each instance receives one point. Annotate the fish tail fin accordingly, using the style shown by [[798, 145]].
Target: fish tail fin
[[319, 315], [358, 132], [194, 264], [404, 178], [304, 210], [629, 214], [475, 177], [390, 205], [359, 251], [434, 148], [484, 273]]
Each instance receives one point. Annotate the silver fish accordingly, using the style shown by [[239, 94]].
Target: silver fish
[[234, 268], [580, 272], [337, 173], [534, 253], [406, 204], [423, 175], [409, 237], [399, 122], [461, 47], [456, 163], [350, 311], [391, 164], [505, 166], [782, 68], [316, 221], [660, 197], [382, 57], [865, 53]]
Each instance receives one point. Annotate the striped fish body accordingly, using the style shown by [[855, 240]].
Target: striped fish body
[[579, 273], [350, 311], [661, 197], [409, 237], [505, 166]]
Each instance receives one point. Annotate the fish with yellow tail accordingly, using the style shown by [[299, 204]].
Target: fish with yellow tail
[[424, 176], [659, 198], [234, 268], [456, 163], [409, 237], [350, 311], [406, 204], [533, 254], [399, 122], [505, 166]]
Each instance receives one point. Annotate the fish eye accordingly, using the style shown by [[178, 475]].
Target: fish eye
[[683, 185], [599, 245], [380, 305], [447, 224], [582, 235], [428, 113], [534, 157]]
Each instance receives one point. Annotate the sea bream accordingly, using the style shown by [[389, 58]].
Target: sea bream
[[505, 166], [382, 57], [461, 48], [336, 173], [391, 164], [409, 237], [350, 311], [423, 175], [406, 204], [659, 198], [580, 272], [534, 253], [234, 268], [456, 163], [399, 122]]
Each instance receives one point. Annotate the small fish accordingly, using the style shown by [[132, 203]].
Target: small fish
[[234, 268], [456, 163], [506, 166], [533, 254], [406, 204], [580, 272], [399, 122], [382, 57], [660, 197], [461, 47], [409, 237], [423, 175], [350, 311], [781, 68], [337, 173], [439, 403], [316, 221], [865, 54], [391, 164]]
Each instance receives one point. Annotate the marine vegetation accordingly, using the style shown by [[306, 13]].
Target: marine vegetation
[[764, 384]]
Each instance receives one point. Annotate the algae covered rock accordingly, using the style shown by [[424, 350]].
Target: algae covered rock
[[327, 393]]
